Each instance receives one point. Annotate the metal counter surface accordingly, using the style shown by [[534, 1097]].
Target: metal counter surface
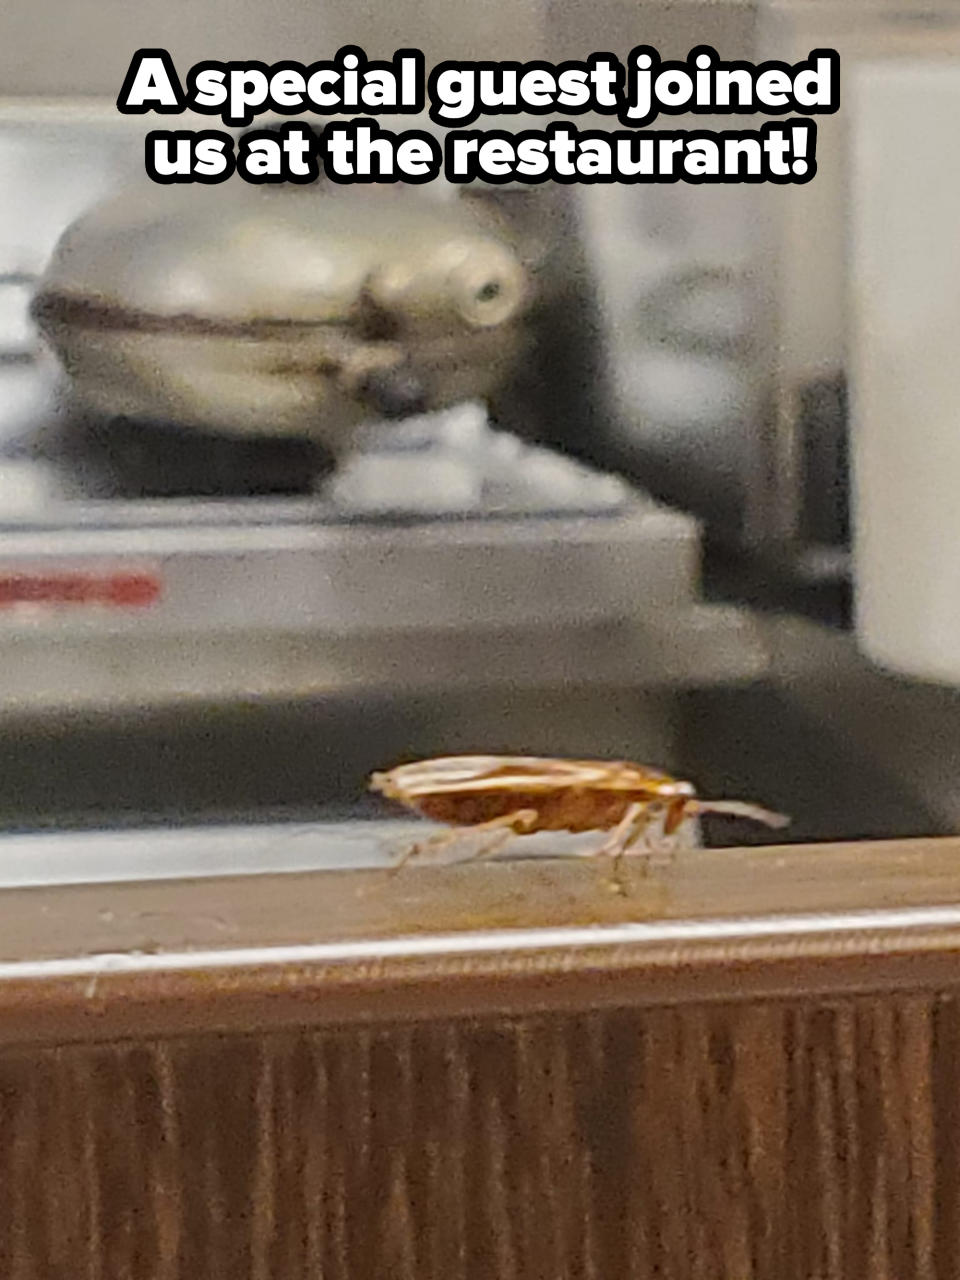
[[169, 956]]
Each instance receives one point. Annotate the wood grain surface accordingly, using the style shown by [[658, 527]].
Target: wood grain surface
[[735, 1142], [660, 1113]]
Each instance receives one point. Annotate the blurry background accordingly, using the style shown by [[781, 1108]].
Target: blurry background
[[648, 551]]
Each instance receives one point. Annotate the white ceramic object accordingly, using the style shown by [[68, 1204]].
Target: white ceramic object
[[905, 363]]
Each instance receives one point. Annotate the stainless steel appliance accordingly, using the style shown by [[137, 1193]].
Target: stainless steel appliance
[[453, 586]]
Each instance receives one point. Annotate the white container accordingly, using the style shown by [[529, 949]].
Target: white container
[[905, 362]]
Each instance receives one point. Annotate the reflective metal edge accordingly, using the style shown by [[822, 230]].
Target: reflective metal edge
[[135, 960]]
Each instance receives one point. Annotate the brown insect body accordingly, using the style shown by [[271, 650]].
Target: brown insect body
[[526, 794], [572, 809]]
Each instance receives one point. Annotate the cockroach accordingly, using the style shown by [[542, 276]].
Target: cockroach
[[508, 796]]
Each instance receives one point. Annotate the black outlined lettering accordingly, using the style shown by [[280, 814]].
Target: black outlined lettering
[[151, 84], [704, 85], [460, 95], [359, 151], [239, 91], [777, 153], [185, 155], [288, 154], [461, 92]]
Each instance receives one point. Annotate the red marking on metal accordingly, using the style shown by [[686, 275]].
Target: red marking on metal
[[111, 590]]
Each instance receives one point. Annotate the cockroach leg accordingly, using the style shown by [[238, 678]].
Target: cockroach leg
[[505, 827], [661, 846], [625, 834], [615, 880], [661, 849], [411, 851], [440, 841]]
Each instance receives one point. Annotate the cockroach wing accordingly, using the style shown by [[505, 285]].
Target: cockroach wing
[[460, 774]]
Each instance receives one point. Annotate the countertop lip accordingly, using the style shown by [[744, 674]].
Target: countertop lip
[[320, 949], [653, 943], [328, 893]]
